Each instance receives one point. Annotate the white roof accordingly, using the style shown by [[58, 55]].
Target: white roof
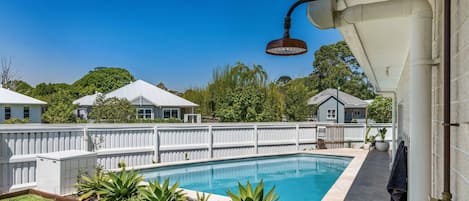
[[141, 92], [348, 100], [10, 97], [85, 100]]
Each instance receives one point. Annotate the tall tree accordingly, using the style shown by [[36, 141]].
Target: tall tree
[[334, 65], [238, 93], [104, 80], [200, 97], [7, 74], [60, 108], [380, 110], [283, 80], [296, 100], [273, 104], [46, 91], [22, 87]]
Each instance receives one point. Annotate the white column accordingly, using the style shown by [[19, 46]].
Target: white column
[[420, 102]]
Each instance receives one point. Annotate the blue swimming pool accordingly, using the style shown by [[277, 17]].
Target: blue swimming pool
[[298, 177]]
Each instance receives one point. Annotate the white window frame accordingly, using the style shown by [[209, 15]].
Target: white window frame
[[171, 112], [152, 113], [29, 112], [331, 115]]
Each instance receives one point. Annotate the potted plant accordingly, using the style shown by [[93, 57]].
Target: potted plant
[[382, 145]]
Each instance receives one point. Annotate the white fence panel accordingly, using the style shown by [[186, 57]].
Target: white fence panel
[[229, 135], [354, 132], [183, 136], [146, 144], [233, 151], [134, 146], [276, 133]]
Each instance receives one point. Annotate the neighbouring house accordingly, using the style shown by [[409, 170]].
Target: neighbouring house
[[350, 108], [150, 102], [19, 106]]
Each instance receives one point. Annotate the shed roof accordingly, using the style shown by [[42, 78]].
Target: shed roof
[[348, 100], [141, 89], [10, 97]]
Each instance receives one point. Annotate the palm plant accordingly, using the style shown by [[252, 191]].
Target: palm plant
[[163, 192], [382, 133], [88, 188], [121, 186], [203, 197], [246, 193]]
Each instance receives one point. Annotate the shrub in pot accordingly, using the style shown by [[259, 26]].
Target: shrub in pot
[[382, 145]]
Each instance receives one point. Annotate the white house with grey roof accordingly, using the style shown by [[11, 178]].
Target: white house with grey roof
[[350, 108], [19, 106], [150, 101]]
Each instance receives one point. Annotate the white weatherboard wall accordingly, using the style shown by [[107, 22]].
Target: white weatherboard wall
[[144, 144]]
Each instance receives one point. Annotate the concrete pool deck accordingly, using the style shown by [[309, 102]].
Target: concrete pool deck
[[337, 192]]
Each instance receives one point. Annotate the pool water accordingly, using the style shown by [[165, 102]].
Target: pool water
[[298, 177]]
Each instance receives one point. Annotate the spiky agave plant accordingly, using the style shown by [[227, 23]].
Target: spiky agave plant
[[88, 187], [163, 192], [247, 193], [203, 196], [121, 186]]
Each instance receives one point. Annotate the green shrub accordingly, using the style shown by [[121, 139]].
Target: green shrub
[[163, 192], [121, 186], [16, 121], [246, 193], [157, 120]]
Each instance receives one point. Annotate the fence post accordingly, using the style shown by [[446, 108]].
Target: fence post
[[86, 140], [297, 137], [210, 142], [156, 136], [256, 140], [364, 132]]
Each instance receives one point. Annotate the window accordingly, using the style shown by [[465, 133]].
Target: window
[[26, 112], [171, 113], [7, 113], [356, 114], [144, 113], [331, 114]]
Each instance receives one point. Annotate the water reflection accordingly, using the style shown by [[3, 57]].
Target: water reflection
[[296, 177]]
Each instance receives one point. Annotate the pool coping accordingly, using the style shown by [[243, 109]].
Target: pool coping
[[338, 190]]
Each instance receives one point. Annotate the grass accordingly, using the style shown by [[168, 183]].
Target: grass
[[26, 198]]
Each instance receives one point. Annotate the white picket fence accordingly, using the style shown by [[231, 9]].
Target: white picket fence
[[143, 144]]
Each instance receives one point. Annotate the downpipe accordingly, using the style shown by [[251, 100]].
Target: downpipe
[[446, 194]]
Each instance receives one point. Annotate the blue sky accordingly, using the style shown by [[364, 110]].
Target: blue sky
[[178, 42]]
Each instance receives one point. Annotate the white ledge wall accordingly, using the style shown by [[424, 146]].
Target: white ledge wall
[[144, 144]]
